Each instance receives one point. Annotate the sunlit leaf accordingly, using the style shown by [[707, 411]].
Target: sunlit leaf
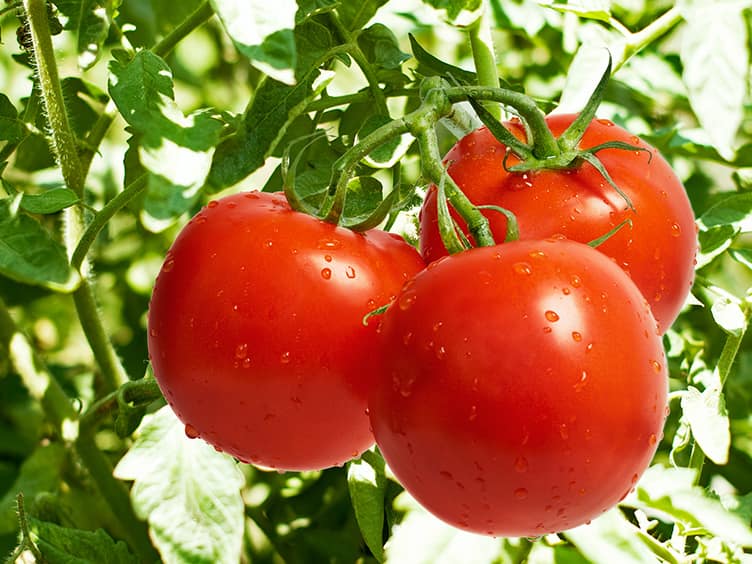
[[366, 481], [64, 544], [188, 492], [707, 416], [90, 20]]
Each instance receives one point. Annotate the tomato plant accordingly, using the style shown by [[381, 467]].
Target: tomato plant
[[272, 375], [656, 249], [524, 390]]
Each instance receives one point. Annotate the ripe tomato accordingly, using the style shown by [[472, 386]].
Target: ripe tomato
[[256, 335], [524, 389], [657, 251]]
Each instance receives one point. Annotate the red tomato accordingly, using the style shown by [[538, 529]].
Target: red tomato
[[524, 390], [256, 335], [657, 251]]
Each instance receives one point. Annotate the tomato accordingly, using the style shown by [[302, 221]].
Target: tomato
[[658, 249], [524, 390], [256, 335]]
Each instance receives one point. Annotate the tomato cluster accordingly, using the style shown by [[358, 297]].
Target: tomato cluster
[[515, 389]]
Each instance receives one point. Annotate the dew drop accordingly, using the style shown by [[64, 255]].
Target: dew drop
[[473, 413], [576, 281], [576, 336], [566, 291], [522, 268], [606, 122], [326, 273], [634, 479], [169, 264], [521, 464], [652, 439], [200, 220], [552, 316], [190, 431], [563, 431], [537, 254], [437, 326], [328, 258], [547, 330], [634, 140], [440, 352], [406, 301], [407, 337], [675, 230], [656, 366], [332, 244], [246, 362], [213, 204], [152, 332], [589, 347], [350, 272], [241, 351], [284, 358], [582, 382], [520, 493]]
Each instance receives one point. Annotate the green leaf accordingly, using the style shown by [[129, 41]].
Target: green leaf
[[176, 150], [713, 242], [355, 15], [671, 492], [707, 417], [73, 546], [599, 10], [381, 47], [428, 65], [454, 8], [421, 538], [90, 20], [735, 211], [387, 154], [275, 106], [39, 473], [12, 129], [263, 31], [29, 254], [367, 482], [742, 256], [309, 8], [716, 72], [51, 201], [610, 538], [188, 492]]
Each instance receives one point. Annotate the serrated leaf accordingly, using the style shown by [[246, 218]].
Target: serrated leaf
[[188, 492], [29, 254], [454, 8], [62, 545], [610, 538], [51, 201], [39, 473], [439, 543], [275, 106], [90, 20], [707, 416], [175, 149], [366, 481], [355, 15], [716, 72], [671, 492], [263, 32], [12, 129]]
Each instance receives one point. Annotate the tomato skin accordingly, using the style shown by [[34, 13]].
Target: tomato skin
[[525, 387], [256, 335], [657, 251]]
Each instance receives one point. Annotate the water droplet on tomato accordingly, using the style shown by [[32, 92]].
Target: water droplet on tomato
[[564, 431], [241, 351], [652, 439], [328, 258], [656, 365], [326, 273], [169, 263], [440, 352], [332, 244], [634, 479], [537, 254], [350, 272], [252, 195], [152, 332], [213, 204], [232, 205], [576, 336], [521, 464], [473, 413], [520, 493], [200, 220], [566, 291], [582, 382], [190, 431], [523, 268], [284, 358], [547, 330], [675, 230], [606, 122], [561, 512], [406, 301], [551, 316], [589, 347], [576, 281], [246, 362]]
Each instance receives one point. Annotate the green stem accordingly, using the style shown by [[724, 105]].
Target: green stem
[[354, 50], [63, 140], [113, 373], [41, 385], [543, 141], [26, 539], [635, 42], [198, 17], [103, 216], [481, 43], [116, 494]]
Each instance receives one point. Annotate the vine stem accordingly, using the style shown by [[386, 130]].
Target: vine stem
[[635, 42], [63, 140], [481, 44]]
